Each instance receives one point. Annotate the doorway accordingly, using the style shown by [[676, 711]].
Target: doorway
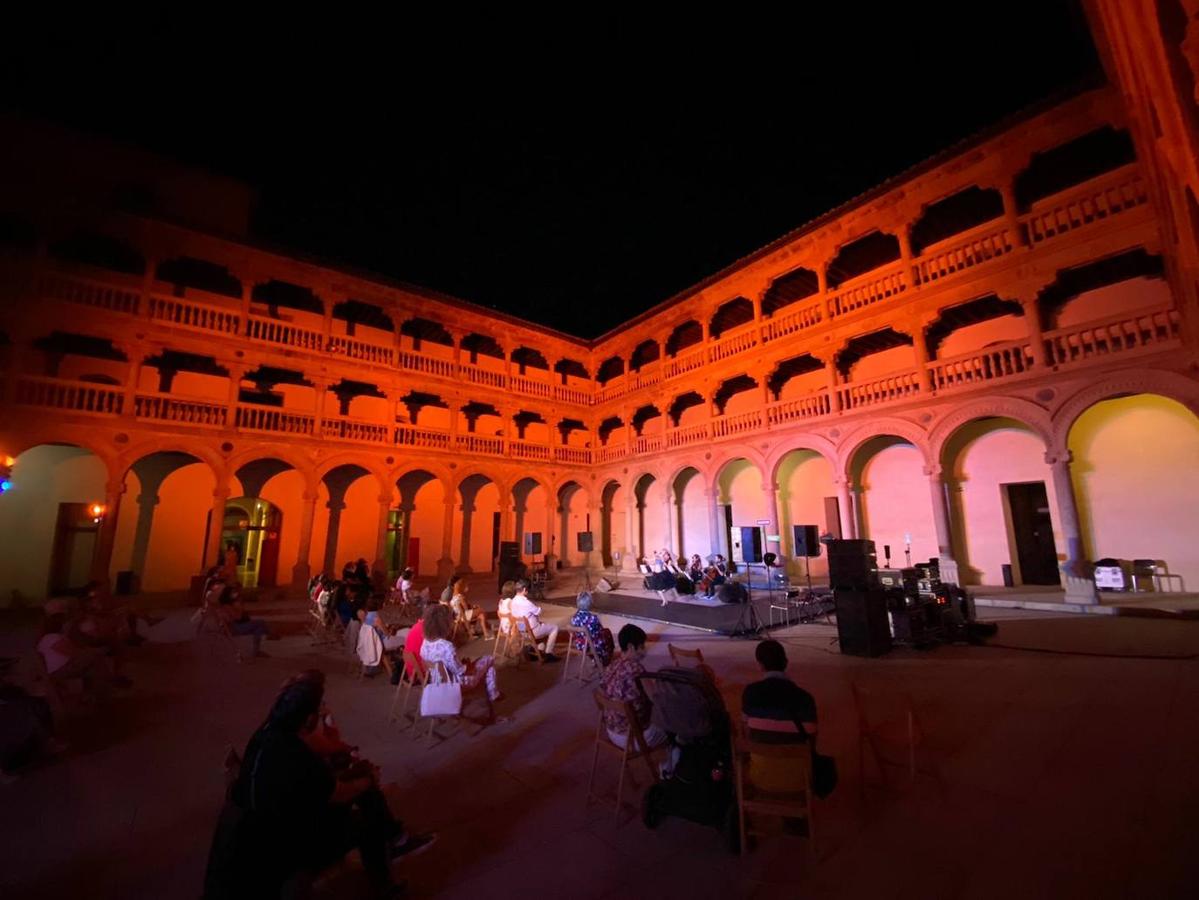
[[74, 546], [1032, 532]]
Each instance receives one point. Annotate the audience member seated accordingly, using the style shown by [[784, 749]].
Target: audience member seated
[[620, 683], [507, 592], [65, 659], [466, 612], [523, 608], [437, 648], [26, 731], [92, 627], [393, 637], [777, 711], [413, 644], [290, 815], [601, 638], [240, 624]]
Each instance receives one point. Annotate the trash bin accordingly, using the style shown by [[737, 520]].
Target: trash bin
[[1008, 581]]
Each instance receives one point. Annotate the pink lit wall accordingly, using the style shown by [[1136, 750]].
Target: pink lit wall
[[696, 519], [741, 482], [428, 518], [805, 478], [177, 537], [896, 501]]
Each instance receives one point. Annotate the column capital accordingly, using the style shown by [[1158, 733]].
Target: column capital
[[309, 496], [118, 488], [770, 487], [385, 500], [934, 471], [221, 493], [1058, 457]]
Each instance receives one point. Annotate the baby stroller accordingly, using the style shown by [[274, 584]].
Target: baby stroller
[[688, 707]]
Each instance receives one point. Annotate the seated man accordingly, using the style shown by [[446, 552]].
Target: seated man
[[523, 608], [585, 619], [777, 711], [65, 659], [620, 683], [230, 609]]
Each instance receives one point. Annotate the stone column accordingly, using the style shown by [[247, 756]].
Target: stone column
[[920, 345], [321, 389], [1011, 213], [135, 371], [1036, 339], [468, 515], [771, 490], [106, 538], [455, 411], [551, 516], [716, 532], [505, 515], [147, 500], [628, 561], [668, 538], [302, 570], [834, 398], [849, 528], [830, 309], [236, 374], [212, 553], [445, 565], [380, 564], [335, 506], [941, 521], [1077, 571]]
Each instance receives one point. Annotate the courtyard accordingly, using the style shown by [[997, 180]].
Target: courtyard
[[1057, 761]]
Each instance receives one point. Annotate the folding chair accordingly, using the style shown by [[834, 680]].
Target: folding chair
[[899, 728], [57, 691], [680, 656], [587, 653], [755, 801], [635, 746], [210, 621], [505, 638], [412, 675], [524, 633]]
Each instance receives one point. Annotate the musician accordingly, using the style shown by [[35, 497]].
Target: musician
[[695, 571]]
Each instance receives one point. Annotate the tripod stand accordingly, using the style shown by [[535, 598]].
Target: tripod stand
[[749, 623], [583, 583]]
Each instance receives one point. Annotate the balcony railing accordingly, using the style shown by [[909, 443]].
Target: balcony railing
[[359, 430], [529, 450], [366, 351], [1098, 199], [180, 410], [71, 396], [727, 426], [869, 289], [477, 443], [193, 315], [531, 387], [688, 362], [786, 322], [808, 407], [86, 292], [580, 455], [963, 251], [411, 436], [890, 389], [1118, 334], [276, 421], [276, 331], [1001, 361], [430, 365], [692, 434], [735, 341], [611, 453], [478, 375]]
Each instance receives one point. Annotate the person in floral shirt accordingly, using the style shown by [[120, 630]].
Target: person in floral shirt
[[620, 683], [601, 637]]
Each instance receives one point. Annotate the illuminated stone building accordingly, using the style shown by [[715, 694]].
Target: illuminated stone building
[[993, 354]]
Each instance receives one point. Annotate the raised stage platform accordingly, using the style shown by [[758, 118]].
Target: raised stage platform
[[690, 612]]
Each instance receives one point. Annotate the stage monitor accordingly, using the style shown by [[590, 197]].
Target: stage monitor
[[807, 540], [586, 543], [532, 543]]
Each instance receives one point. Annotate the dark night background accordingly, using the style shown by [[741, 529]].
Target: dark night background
[[570, 172]]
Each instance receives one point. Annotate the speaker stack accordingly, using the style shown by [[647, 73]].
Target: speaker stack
[[862, 625]]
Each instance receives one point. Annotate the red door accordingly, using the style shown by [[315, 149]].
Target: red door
[[413, 558], [268, 553]]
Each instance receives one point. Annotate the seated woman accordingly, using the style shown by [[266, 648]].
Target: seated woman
[[465, 611], [393, 637], [65, 659], [695, 570], [601, 638], [230, 609], [507, 592], [438, 649], [412, 644]]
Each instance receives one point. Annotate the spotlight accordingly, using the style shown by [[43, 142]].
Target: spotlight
[[97, 511]]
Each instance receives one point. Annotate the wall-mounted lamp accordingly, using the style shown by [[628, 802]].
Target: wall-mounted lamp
[[97, 511]]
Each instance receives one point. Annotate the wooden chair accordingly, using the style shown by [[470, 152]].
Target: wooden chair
[[898, 728], [444, 677], [57, 689], [682, 657], [526, 639], [588, 653], [635, 747], [755, 801], [403, 692], [505, 638]]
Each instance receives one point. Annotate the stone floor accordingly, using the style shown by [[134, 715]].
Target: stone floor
[[1060, 760]]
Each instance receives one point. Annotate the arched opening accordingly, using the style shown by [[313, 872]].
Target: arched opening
[[688, 334], [277, 483], [807, 496], [892, 500], [529, 504], [276, 295], [612, 524], [1086, 157], [1124, 283], [692, 523], [573, 373], [82, 357], [735, 395], [645, 414], [612, 428], [420, 522], [478, 524], [974, 325], [251, 529], [872, 356], [869, 252], [687, 409], [796, 377], [484, 345], [1002, 504], [741, 507], [573, 520], [51, 537], [426, 336], [528, 358], [796, 285], [651, 520], [188, 273], [99, 251], [643, 354], [1136, 481], [954, 214], [610, 368], [731, 314], [353, 517]]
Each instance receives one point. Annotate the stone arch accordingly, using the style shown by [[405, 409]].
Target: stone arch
[[716, 469], [440, 472], [1023, 411], [215, 463], [813, 442], [362, 461], [1171, 385], [16, 444], [881, 427], [276, 451]]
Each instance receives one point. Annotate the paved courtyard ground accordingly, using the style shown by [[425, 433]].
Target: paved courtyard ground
[[1065, 757]]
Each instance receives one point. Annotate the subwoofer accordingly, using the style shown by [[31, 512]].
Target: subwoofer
[[862, 626]]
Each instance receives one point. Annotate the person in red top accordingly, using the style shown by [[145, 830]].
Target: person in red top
[[412, 644]]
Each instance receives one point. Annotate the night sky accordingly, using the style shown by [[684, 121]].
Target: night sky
[[570, 171]]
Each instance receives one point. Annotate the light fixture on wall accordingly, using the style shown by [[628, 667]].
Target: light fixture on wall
[[97, 511], [6, 464]]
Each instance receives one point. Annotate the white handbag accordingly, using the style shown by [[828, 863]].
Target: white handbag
[[444, 699]]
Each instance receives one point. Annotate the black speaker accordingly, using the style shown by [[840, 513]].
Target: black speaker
[[851, 565], [862, 626], [807, 540], [586, 544], [751, 544], [509, 550], [532, 543]]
